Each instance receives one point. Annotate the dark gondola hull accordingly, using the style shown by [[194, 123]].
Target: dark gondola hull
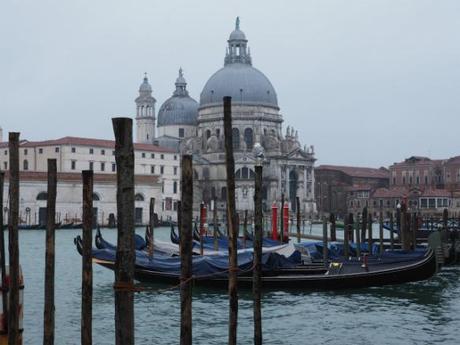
[[393, 274]]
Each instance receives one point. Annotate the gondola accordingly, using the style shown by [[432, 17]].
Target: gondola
[[101, 243], [282, 273]]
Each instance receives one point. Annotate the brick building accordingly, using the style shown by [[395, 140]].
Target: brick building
[[344, 189]]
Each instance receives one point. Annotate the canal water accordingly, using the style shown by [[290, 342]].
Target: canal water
[[417, 313]]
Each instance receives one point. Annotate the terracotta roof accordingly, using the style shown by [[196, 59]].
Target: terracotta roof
[[78, 141], [76, 177], [357, 171]]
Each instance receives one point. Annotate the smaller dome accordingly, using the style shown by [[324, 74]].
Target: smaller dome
[[145, 86], [180, 109]]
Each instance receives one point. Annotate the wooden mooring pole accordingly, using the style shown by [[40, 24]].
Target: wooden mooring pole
[[151, 227], [232, 225], [87, 268], [214, 220], [257, 273], [48, 317], [346, 248], [392, 236], [333, 227], [363, 224], [3, 254], [381, 231], [297, 200], [245, 227], [358, 236], [14, 336], [325, 251], [414, 228], [124, 264], [403, 229], [186, 218], [370, 240], [282, 219]]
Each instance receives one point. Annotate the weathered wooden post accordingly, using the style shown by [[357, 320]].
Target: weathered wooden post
[[414, 228], [124, 264], [357, 236], [392, 239], [232, 226], [14, 336], [282, 219], [297, 200], [214, 220], [201, 228], [151, 227], [351, 223], [381, 231], [257, 273], [179, 221], [325, 251], [346, 252], [363, 225], [403, 230], [48, 317], [445, 217], [333, 227], [370, 240], [245, 227], [3, 254], [87, 269], [186, 217]]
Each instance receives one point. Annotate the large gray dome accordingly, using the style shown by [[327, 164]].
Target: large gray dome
[[244, 83], [238, 79], [180, 109]]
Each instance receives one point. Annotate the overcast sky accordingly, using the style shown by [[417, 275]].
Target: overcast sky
[[367, 82]]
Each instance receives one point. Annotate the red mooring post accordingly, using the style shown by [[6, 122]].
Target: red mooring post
[[274, 222], [286, 222]]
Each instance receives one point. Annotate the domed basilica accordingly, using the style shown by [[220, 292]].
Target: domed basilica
[[188, 126]]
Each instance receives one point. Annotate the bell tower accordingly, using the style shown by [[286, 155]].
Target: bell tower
[[145, 113]]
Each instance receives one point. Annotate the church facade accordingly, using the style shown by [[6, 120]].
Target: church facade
[[188, 126]]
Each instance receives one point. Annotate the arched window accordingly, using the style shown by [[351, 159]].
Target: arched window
[[223, 193], [175, 187], [248, 138], [205, 173], [42, 196], [208, 134], [96, 197], [244, 173], [236, 138], [26, 164], [139, 197]]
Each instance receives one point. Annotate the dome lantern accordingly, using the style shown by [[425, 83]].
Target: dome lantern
[[237, 51]]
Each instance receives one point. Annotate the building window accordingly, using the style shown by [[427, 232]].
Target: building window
[[175, 157], [175, 170], [404, 180], [223, 193], [42, 196], [74, 150], [113, 153], [162, 169], [6, 152], [114, 167], [218, 132], [248, 138], [56, 149], [40, 150], [26, 164], [175, 187], [208, 134], [152, 155], [103, 152], [25, 152], [102, 166], [139, 197], [432, 203], [73, 165], [91, 165], [96, 197], [426, 179], [423, 203], [162, 156], [5, 165], [91, 151], [152, 169], [181, 133], [236, 138], [143, 154], [417, 180]]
